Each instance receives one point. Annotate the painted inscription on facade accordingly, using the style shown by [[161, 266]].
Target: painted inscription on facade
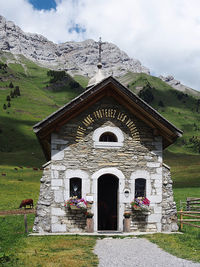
[[106, 113]]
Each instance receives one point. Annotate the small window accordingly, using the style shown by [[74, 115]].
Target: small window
[[75, 187], [140, 187], [108, 137]]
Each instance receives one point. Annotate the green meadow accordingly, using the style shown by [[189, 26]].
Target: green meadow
[[21, 159]]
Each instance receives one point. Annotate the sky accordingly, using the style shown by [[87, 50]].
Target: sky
[[163, 35]]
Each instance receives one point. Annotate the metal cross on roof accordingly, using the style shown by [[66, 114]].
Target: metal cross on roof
[[100, 49]]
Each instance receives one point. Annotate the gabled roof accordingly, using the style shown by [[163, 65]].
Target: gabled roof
[[107, 87]]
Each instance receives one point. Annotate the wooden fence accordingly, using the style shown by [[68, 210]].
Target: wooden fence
[[17, 212], [193, 204], [195, 215]]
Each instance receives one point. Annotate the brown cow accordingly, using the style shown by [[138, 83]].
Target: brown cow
[[26, 202]]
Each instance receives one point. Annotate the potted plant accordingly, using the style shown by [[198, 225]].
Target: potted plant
[[89, 222], [89, 214], [127, 214], [140, 204], [75, 203], [127, 221]]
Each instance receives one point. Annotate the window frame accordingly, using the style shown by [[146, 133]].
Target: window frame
[[103, 144], [76, 173], [145, 187], [70, 185], [108, 134]]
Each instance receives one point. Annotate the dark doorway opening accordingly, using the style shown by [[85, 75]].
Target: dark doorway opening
[[107, 202]]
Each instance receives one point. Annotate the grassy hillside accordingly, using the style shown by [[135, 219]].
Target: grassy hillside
[[38, 99], [20, 151], [182, 109], [41, 94]]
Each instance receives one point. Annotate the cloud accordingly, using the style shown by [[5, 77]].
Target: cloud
[[163, 35]]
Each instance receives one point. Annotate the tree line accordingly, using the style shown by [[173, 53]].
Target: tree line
[[15, 92]]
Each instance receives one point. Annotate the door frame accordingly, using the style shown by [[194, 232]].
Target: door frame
[[120, 207]]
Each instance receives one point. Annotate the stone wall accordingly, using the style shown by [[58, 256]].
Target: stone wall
[[169, 212], [74, 154], [43, 211]]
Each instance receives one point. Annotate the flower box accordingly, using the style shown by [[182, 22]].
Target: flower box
[[140, 209], [75, 203], [74, 207], [140, 205]]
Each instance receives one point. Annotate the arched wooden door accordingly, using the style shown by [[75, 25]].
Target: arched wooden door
[[108, 202]]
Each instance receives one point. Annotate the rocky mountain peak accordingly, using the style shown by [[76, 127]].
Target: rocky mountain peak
[[75, 57]]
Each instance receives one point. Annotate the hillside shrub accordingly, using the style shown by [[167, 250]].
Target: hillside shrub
[[196, 128], [17, 91], [74, 84], [11, 85], [56, 75], [3, 67], [4, 106], [195, 141], [198, 105], [161, 104], [146, 94], [8, 98], [12, 94]]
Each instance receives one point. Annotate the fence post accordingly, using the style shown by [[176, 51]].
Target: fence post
[[181, 219], [25, 223], [188, 205]]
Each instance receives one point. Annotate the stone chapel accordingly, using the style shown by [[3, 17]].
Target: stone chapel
[[106, 146]]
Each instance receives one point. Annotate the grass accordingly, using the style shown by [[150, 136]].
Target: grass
[[59, 251], [17, 185], [83, 81], [19, 145], [184, 169], [186, 245], [19, 250]]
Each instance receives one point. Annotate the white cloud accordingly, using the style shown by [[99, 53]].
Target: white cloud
[[163, 35]]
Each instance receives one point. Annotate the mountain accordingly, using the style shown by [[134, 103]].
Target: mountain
[[77, 58], [179, 86]]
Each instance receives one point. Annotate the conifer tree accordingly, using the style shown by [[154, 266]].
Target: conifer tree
[[11, 85], [12, 94], [17, 91], [4, 106]]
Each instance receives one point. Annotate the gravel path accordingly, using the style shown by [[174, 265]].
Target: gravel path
[[136, 252]]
